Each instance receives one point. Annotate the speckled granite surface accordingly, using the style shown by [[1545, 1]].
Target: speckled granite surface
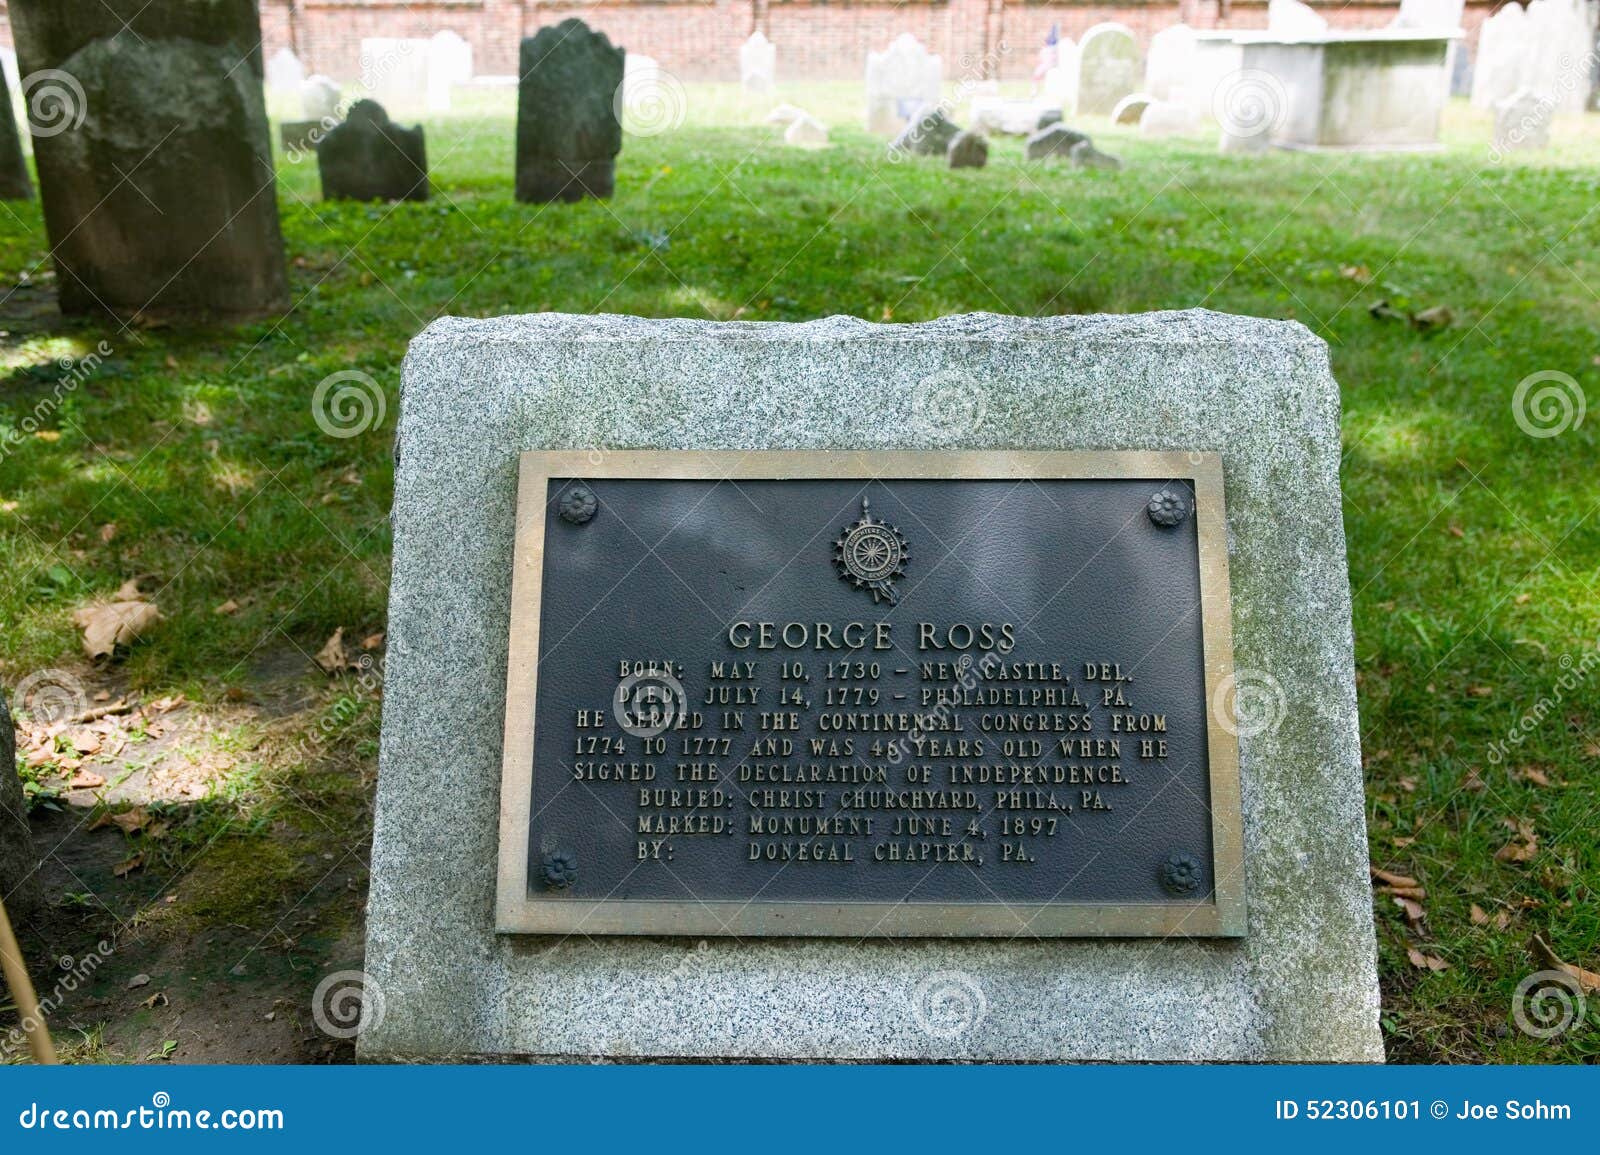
[[1301, 986]]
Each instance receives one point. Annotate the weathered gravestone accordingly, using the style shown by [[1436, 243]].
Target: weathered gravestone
[[1060, 86], [1055, 140], [1169, 118], [285, 74], [1085, 155], [1522, 123], [1169, 66], [968, 150], [929, 134], [1293, 18], [1108, 69], [568, 135], [1001, 117], [806, 131], [370, 158], [901, 80], [449, 64], [1533, 48], [19, 885], [15, 183], [319, 98], [694, 746], [653, 99], [758, 64], [395, 71], [301, 136], [1131, 108], [155, 170]]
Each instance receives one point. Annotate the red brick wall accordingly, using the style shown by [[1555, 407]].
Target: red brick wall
[[816, 39]]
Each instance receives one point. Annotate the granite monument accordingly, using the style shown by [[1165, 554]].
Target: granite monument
[[1168, 433]]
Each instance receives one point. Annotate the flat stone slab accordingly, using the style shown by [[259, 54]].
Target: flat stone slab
[[1302, 984]]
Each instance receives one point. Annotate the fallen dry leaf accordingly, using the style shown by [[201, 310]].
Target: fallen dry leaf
[[108, 531], [372, 641], [332, 657], [1480, 917], [1403, 842], [128, 591], [1502, 919], [85, 780], [1523, 851], [119, 623], [138, 981], [1480, 691], [128, 865], [131, 821], [159, 999], [1588, 980], [228, 607], [1438, 317], [1425, 961], [1391, 879], [1474, 782], [1412, 908], [1535, 775]]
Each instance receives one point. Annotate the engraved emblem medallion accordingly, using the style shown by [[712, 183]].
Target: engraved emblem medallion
[[870, 554]]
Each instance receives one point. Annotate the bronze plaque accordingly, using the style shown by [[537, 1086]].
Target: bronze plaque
[[870, 694]]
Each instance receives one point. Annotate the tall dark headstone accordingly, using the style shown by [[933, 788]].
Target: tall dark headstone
[[155, 167], [568, 135], [15, 184], [18, 882], [371, 158]]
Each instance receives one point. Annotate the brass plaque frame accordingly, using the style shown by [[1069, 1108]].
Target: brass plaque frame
[[518, 912]]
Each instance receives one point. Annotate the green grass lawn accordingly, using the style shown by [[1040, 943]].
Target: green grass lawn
[[1473, 546]]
